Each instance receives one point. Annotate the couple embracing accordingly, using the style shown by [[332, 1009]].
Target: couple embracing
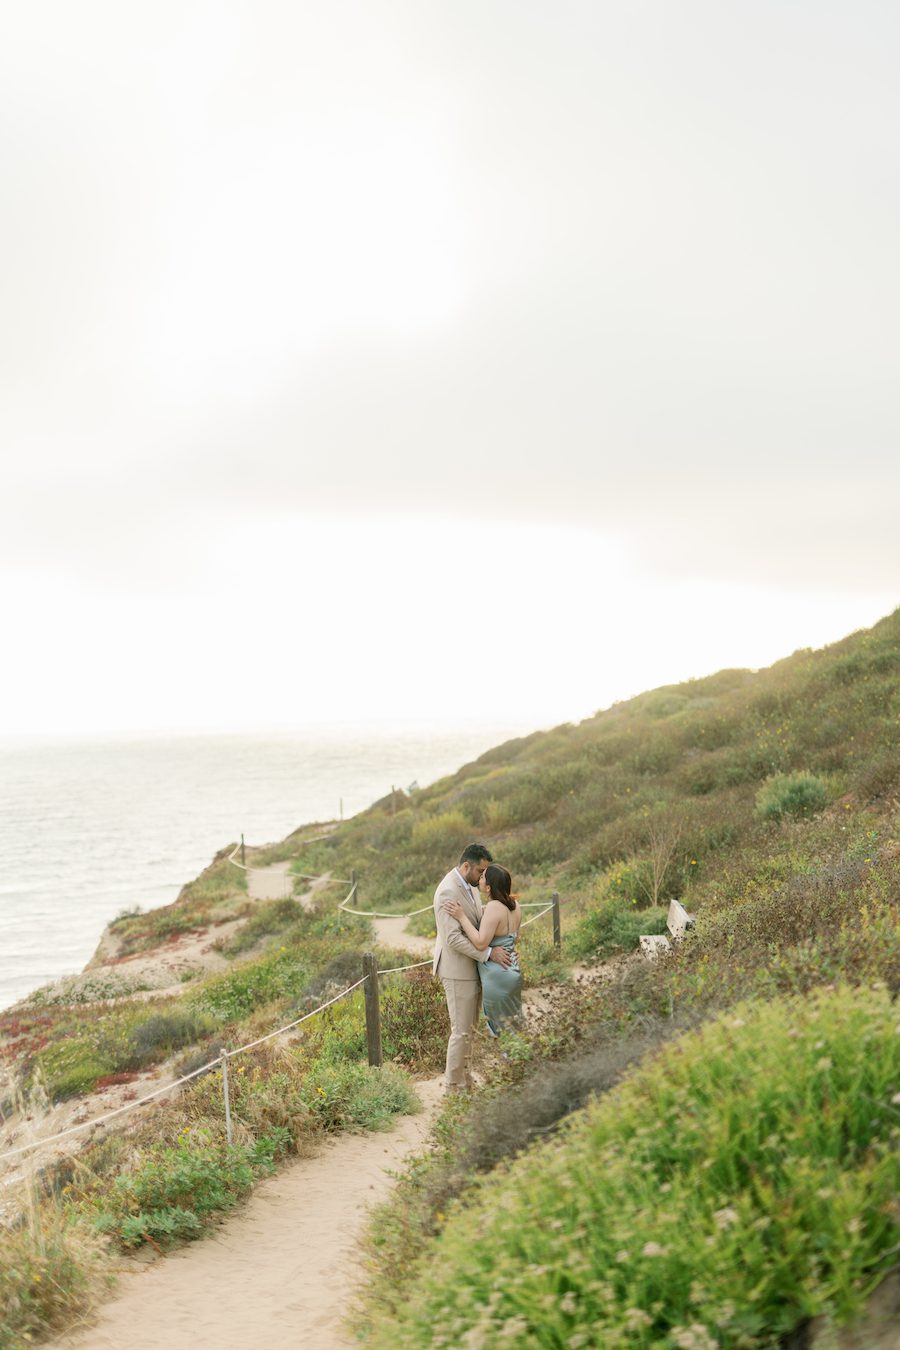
[[477, 921]]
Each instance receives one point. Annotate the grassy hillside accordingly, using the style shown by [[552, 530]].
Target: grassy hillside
[[755, 798], [768, 803]]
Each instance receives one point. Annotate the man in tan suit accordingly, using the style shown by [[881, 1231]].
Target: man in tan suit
[[456, 960]]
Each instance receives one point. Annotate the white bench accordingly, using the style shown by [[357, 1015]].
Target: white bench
[[678, 923]]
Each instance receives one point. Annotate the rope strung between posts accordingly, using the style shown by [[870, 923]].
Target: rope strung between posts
[[290, 1025], [231, 859], [99, 1120], [344, 905], [306, 876], [534, 917], [407, 913], [158, 1092], [382, 914]]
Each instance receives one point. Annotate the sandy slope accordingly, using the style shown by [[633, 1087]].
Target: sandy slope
[[278, 1273]]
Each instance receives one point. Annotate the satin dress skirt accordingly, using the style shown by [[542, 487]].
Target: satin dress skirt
[[501, 987]]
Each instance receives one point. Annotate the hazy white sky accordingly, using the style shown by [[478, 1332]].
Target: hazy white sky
[[461, 360]]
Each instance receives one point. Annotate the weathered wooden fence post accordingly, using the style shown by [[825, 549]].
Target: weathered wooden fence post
[[557, 935], [243, 859], [373, 1010], [354, 886], [227, 1096]]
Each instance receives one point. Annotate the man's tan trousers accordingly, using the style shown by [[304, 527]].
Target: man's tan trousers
[[463, 1004]]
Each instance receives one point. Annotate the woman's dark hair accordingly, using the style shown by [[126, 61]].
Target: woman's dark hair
[[499, 883]]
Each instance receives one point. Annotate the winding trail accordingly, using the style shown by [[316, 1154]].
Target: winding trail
[[392, 933], [280, 1272], [275, 882]]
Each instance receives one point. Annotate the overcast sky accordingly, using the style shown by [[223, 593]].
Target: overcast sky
[[464, 361]]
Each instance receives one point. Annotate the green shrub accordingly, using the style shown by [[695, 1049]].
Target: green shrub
[[743, 1182], [443, 835], [71, 1067], [471, 1136], [414, 1022], [162, 1033], [614, 926], [341, 971], [174, 1192], [792, 794], [664, 704], [350, 1096], [340, 1033], [239, 992], [269, 917]]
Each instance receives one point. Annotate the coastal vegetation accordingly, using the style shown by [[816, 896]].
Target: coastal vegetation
[[739, 1183], [739, 1094]]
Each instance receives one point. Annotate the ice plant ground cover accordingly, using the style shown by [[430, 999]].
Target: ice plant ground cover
[[743, 1180]]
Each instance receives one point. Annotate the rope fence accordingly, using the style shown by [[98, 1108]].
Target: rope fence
[[369, 979], [306, 876]]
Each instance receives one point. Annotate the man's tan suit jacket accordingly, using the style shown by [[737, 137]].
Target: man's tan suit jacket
[[454, 956]]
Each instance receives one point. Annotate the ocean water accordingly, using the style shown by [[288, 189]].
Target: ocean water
[[90, 828]]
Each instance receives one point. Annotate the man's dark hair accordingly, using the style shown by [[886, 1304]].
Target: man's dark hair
[[475, 853]]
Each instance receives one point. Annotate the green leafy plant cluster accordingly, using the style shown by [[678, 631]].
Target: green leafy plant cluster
[[614, 926], [353, 1096], [239, 992], [269, 919], [414, 1025], [176, 1191], [414, 1022]]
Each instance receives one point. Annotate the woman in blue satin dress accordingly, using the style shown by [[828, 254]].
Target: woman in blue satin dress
[[501, 986]]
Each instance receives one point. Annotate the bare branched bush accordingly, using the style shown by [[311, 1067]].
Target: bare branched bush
[[663, 835]]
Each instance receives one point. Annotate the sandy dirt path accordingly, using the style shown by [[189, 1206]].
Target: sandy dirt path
[[278, 1273], [392, 933], [270, 883]]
